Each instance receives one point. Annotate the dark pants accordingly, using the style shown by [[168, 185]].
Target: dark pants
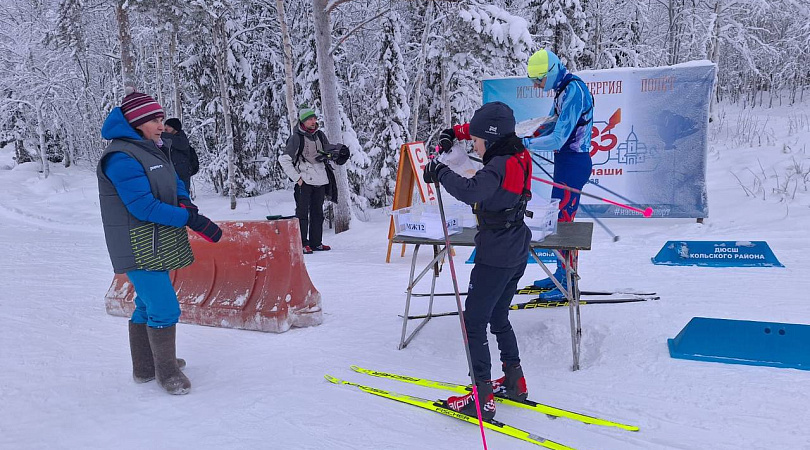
[[490, 293], [309, 211]]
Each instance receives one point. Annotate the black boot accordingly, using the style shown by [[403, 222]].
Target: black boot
[[167, 370], [512, 385], [143, 363]]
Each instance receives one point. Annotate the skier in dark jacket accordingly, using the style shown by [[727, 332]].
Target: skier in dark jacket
[[145, 209], [498, 193], [184, 157]]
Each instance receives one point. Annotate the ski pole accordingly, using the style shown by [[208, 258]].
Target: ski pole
[[460, 309], [589, 181], [647, 212], [615, 237]]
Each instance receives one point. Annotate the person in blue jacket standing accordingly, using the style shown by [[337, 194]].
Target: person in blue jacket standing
[[145, 208], [498, 194], [570, 140]]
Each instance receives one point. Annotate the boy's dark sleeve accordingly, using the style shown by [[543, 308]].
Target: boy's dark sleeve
[[471, 190]]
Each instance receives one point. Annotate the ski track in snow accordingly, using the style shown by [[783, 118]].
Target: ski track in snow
[[66, 379]]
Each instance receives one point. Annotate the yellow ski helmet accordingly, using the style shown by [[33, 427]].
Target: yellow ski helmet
[[541, 63]]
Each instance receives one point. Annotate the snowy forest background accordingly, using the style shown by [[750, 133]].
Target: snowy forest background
[[378, 72]]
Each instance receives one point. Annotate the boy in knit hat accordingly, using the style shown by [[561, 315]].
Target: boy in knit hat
[[145, 209], [498, 194]]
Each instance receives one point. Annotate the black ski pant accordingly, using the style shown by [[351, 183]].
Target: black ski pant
[[309, 211], [490, 294]]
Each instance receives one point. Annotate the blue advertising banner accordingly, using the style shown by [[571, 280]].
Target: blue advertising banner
[[649, 138], [717, 254]]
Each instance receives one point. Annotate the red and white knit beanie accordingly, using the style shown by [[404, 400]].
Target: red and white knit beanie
[[139, 108]]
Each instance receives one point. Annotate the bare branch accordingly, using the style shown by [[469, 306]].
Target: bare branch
[[361, 25]]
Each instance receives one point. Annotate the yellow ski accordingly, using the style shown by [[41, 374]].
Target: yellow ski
[[528, 404], [436, 406]]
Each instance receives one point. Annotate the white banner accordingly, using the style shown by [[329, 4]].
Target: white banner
[[649, 137]]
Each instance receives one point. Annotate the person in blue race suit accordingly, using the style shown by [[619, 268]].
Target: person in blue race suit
[[145, 208], [570, 140]]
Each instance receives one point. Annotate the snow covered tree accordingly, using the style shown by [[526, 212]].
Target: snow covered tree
[[562, 25], [390, 113], [331, 106], [480, 40], [36, 75]]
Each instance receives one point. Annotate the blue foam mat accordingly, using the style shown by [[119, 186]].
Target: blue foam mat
[[753, 343]]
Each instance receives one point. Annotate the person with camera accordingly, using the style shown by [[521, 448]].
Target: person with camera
[[305, 160]]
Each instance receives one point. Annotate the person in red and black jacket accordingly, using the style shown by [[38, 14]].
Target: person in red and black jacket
[[498, 194]]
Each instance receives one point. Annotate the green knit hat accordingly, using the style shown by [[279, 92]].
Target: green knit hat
[[305, 112]]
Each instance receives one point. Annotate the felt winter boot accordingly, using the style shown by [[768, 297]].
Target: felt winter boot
[[143, 363], [512, 385], [167, 370]]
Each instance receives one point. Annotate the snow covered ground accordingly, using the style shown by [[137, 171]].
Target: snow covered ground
[[66, 383]]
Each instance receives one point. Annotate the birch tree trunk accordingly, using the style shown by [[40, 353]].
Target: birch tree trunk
[[125, 36], [159, 72], [420, 73], [715, 57], [288, 70], [221, 44], [46, 169], [71, 150], [177, 103], [447, 109], [331, 107]]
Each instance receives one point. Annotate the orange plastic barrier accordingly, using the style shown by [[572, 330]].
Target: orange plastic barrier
[[254, 279]]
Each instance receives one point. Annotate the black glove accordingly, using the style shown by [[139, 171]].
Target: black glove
[[343, 155], [446, 138], [432, 169], [203, 226]]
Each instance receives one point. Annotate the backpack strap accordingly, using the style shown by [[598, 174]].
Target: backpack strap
[[321, 136], [300, 150]]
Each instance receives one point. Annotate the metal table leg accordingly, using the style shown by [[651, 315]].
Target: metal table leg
[[412, 282], [572, 294]]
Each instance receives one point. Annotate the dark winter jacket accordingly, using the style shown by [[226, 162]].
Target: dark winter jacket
[[183, 156], [138, 193], [497, 187]]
